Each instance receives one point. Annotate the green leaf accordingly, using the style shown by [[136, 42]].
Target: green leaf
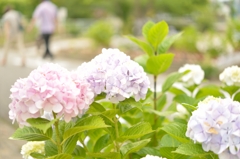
[[61, 156], [209, 90], [176, 91], [41, 123], [70, 144], [161, 102], [148, 151], [110, 113], [168, 141], [161, 113], [50, 148], [177, 131], [230, 89], [146, 27], [98, 106], [144, 46], [191, 149], [167, 152], [30, 134], [137, 131], [188, 106], [102, 142], [157, 33], [165, 45], [111, 155], [89, 123], [142, 60], [129, 104], [133, 147], [79, 152], [172, 106], [100, 96], [63, 126], [171, 79], [183, 98], [36, 155], [159, 64], [237, 97]]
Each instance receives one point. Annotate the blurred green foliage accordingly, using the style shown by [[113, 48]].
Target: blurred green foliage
[[121, 8], [187, 41], [233, 32], [101, 32], [180, 8]]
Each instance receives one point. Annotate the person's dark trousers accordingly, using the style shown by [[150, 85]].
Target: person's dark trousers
[[46, 38]]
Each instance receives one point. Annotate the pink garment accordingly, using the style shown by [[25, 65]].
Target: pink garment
[[45, 14]]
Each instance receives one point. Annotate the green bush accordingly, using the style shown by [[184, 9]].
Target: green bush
[[187, 41], [211, 72], [72, 29], [101, 32]]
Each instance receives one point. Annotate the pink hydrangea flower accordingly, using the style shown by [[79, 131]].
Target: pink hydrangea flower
[[49, 88]]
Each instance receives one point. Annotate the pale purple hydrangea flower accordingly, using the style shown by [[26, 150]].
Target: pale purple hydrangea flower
[[49, 88], [227, 155], [216, 125], [114, 73]]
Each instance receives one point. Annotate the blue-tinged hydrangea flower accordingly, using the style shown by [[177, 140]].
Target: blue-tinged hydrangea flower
[[216, 125], [227, 155], [152, 157], [114, 73], [231, 76], [195, 76]]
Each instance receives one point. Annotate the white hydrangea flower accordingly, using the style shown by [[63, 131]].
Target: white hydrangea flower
[[152, 157], [195, 76], [216, 125], [32, 146], [231, 76]]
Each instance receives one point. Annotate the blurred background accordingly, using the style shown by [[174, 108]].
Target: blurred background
[[210, 37], [211, 28]]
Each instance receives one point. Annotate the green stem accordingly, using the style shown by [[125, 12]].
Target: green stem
[[57, 135], [117, 132], [155, 92], [155, 88]]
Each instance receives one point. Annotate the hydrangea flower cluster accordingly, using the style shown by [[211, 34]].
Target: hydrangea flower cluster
[[49, 88], [32, 146], [152, 157], [195, 76], [216, 125], [231, 76], [114, 73]]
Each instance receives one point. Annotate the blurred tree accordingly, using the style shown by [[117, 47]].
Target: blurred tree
[[179, 8]]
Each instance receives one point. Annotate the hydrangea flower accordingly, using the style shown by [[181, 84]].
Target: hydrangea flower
[[49, 88], [152, 157], [231, 76], [32, 146], [216, 125], [114, 73], [195, 76], [227, 155]]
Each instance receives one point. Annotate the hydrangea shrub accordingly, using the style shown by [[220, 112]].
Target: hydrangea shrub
[[105, 109]]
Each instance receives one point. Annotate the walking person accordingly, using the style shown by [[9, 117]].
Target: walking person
[[13, 32], [46, 16]]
